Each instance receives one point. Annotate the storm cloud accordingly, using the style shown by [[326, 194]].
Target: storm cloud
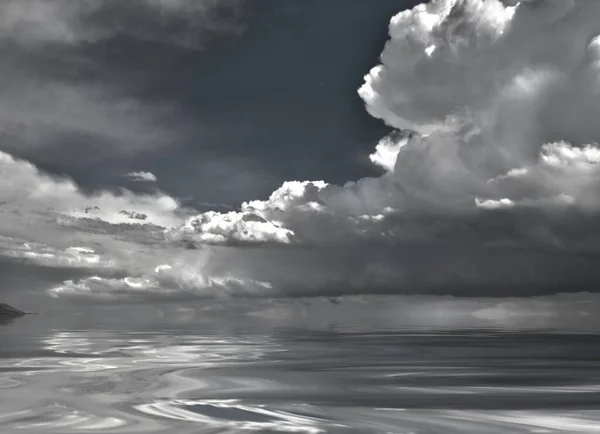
[[66, 100], [490, 183]]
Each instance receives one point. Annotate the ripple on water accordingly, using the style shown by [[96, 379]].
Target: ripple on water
[[304, 382], [232, 414]]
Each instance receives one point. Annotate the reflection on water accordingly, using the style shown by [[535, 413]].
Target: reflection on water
[[296, 380]]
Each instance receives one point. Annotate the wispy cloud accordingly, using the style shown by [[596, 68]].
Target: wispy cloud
[[73, 22], [54, 98], [141, 176]]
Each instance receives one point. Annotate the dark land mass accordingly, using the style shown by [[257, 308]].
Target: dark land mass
[[9, 313]]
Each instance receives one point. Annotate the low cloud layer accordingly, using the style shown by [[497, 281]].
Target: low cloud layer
[[490, 186], [39, 195]]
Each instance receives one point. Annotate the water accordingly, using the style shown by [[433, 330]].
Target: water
[[160, 372]]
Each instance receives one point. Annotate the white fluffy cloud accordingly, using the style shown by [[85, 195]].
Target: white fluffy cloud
[[49, 222], [257, 222], [44, 255], [233, 227], [386, 152], [28, 190], [492, 90], [141, 176], [164, 282], [478, 83]]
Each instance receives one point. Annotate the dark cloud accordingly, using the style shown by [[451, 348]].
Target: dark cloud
[[194, 114], [67, 104], [494, 191]]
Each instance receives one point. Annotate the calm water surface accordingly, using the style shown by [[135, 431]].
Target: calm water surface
[[209, 376]]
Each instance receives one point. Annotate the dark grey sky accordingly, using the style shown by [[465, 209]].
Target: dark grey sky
[[267, 95]]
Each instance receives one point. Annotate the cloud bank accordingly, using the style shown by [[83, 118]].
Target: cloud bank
[[491, 184]]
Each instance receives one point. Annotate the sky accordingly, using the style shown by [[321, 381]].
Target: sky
[[200, 107], [169, 151]]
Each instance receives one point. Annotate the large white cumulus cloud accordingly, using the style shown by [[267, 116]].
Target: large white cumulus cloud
[[502, 99], [257, 221], [493, 91], [494, 188]]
